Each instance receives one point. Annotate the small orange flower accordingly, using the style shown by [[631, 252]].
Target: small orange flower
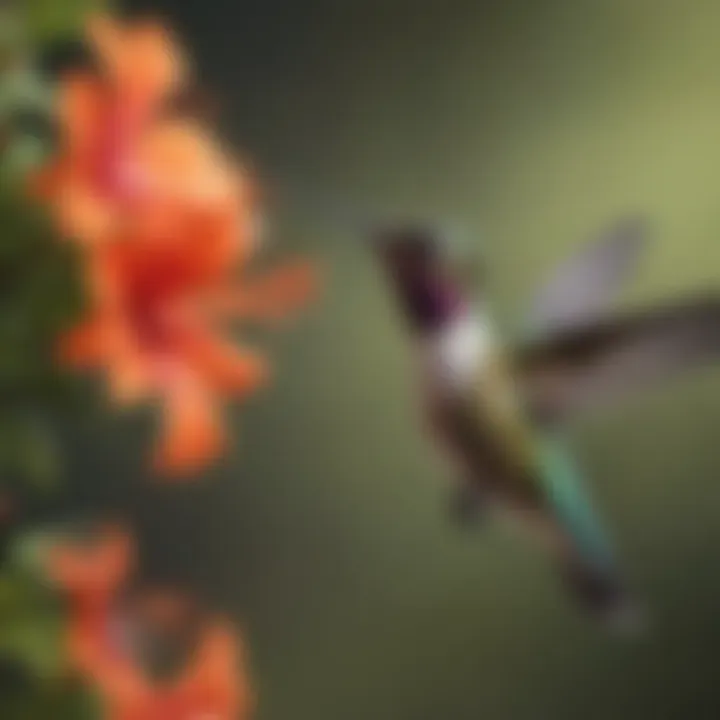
[[106, 636], [91, 575]]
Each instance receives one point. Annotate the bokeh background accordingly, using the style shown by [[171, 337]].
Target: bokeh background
[[533, 122]]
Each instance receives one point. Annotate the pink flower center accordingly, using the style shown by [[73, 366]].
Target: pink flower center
[[116, 174]]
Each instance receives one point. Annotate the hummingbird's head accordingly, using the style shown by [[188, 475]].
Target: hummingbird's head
[[416, 262]]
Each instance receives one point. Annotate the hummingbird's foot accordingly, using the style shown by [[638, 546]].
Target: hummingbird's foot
[[468, 506]]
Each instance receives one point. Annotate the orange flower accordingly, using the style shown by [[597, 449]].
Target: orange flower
[[165, 217], [121, 159], [214, 685], [106, 638], [158, 312], [91, 575]]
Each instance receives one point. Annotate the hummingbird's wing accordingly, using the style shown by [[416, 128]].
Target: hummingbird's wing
[[582, 287], [574, 370]]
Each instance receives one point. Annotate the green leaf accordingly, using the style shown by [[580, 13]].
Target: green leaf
[[22, 88], [38, 455], [29, 549], [51, 700], [52, 19], [31, 625], [29, 451]]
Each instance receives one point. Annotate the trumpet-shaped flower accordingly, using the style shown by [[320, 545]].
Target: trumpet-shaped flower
[[166, 220], [111, 639], [157, 325]]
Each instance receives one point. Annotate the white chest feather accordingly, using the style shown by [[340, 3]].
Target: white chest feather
[[453, 357]]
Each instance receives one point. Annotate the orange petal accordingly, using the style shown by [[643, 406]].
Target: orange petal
[[130, 377], [108, 41], [84, 637], [105, 35], [84, 345], [192, 435], [203, 243], [182, 161], [219, 676], [44, 184], [269, 297], [82, 216], [225, 367], [159, 65], [104, 279], [92, 571], [126, 694], [193, 199], [141, 58], [61, 565], [123, 690], [81, 109], [129, 380]]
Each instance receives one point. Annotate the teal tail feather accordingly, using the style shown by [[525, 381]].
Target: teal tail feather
[[591, 571], [564, 488]]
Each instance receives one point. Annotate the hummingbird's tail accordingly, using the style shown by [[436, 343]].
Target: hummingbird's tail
[[588, 566]]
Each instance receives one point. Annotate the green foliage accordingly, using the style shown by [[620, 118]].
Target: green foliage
[[31, 614], [30, 625], [38, 273], [25, 123], [56, 700], [29, 454], [49, 20], [39, 296], [36, 682]]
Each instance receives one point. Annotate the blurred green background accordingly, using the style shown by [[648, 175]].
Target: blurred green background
[[533, 122]]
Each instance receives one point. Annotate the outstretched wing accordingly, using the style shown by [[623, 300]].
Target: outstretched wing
[[582, 288], [572, 371]]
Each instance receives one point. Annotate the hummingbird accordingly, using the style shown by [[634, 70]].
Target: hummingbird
[[500, 407]]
